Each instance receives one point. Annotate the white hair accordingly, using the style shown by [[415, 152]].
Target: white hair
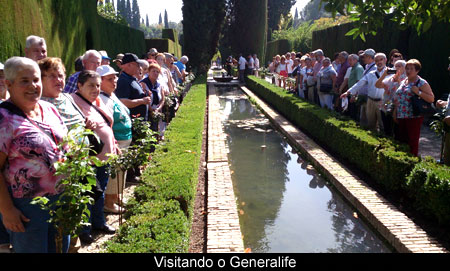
[[33, 40], [380, 54], [401, 62], [16, 64], [185, 58], [90, 53]]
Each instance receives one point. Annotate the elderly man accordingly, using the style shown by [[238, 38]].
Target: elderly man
[[242, 66], [4, 95], [181, 64], [91, 61], [374, 94], [353, 75], [129, 91], [35, 48]]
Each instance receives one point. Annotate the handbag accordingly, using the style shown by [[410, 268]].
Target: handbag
[[420, 107], [326, 88]]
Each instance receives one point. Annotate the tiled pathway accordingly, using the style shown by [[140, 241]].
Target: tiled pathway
[[224, 232]]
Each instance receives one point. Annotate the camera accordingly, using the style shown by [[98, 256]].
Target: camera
[[391, 71]]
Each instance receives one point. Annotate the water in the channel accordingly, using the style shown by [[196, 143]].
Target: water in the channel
[[284, 204]]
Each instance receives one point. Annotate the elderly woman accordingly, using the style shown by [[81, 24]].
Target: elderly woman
[[390, 86], [53, 74], [152, 85], [408, 128], [87, 98], [326, 84], [122, 133], [4, 95], [31, 131]]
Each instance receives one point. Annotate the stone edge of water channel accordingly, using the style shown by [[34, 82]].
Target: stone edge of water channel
[[398, 230], [223, 228]]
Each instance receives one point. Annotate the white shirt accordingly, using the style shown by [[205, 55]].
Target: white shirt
[[242, 63], [347, 74], [256, 63], [251, 63], [289, 63], [369, 81]]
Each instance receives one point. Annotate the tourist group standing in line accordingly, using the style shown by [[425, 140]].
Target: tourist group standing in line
[[38, 107], [374, 89]]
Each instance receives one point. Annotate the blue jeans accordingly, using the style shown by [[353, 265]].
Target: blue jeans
[[39, 235], [4, 236], [97, 218]]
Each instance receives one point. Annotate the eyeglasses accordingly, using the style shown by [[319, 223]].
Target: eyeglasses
[[153, 55], [396, 56], [53, 77]]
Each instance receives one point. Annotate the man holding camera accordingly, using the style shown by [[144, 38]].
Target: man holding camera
[[374, 94]]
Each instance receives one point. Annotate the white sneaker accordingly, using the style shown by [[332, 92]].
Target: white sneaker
[[4, 248]]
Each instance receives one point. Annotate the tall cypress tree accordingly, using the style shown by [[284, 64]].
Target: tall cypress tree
[[160, 19], [136, 15], [128, 13], [147, 22], [252, 38], [202, 25], [166, 19]]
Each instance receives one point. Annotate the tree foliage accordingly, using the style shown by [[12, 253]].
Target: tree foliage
[[276, 9], [369, 15], [166, 19], [108, 11], [202, 25]]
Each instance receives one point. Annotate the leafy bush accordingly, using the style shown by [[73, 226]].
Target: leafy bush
[[429, 186], [160, 215]]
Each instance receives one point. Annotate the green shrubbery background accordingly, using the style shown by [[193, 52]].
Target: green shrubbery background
[[69, 28]]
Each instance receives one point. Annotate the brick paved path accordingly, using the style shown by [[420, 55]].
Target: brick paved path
[[223, 229]]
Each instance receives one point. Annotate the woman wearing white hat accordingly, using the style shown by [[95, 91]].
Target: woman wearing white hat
[[122, 133]]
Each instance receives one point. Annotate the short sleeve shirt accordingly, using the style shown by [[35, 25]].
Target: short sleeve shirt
[[129, 88], [69, 114], [72, 83], [121, 115], [31, 152], [403, 98]]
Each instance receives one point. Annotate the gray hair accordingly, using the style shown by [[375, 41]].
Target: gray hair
[[354, 56], [401, 62], [380, 54], [90, 53], [184, 58], [33, 40], [16, 64], [326, 59]]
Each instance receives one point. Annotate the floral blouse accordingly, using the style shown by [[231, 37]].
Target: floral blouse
[[403, 98], [31, 151]]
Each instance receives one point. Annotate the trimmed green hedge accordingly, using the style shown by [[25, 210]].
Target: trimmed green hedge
[[159, 217], [385, 161], [69, 28], [429, 186], [277, 47], [164, 45]]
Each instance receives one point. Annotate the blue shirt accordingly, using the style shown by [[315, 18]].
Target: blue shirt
[[129, 88], [182, 68], [71, 85]]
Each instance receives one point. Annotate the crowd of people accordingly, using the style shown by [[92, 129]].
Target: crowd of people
[[374, 89], [38, 107]]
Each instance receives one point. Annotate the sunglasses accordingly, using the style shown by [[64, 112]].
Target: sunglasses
[[397, 56]]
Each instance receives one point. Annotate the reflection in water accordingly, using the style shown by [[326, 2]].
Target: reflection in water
[[284, 204]]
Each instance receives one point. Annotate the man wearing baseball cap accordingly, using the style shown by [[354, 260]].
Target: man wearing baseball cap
[[129, 91]]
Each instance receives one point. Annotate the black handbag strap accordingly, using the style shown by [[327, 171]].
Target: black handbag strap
[[100, 112]]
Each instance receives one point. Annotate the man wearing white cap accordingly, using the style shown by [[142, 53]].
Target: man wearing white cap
[[4, 95], [122, 133]]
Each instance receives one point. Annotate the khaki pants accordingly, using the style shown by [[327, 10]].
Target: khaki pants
[[311, 94], [117, 185], [373, 115]]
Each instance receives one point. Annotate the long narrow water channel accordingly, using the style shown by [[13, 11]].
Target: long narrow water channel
[[284, 204]]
